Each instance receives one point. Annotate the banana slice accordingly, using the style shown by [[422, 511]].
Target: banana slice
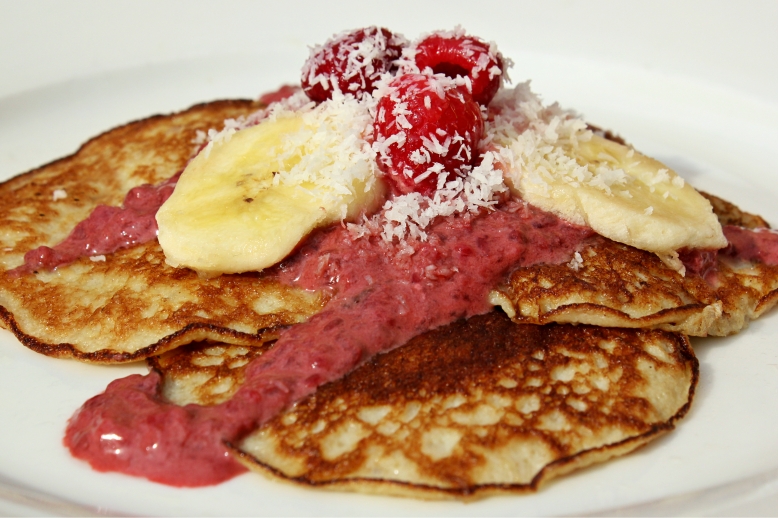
[[246, 201], [620, 193]]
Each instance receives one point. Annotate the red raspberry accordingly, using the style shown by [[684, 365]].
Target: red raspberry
[[465, 56], [351, 60], [431, 127]]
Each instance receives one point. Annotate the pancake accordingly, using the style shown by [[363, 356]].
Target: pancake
[[478, 407], [203, 373], [730, 214], [131, 305], [436, 418], [616, 285], [747, 290]]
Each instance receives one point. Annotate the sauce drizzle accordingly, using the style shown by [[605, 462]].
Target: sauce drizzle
[[384, 295], [106, 229]]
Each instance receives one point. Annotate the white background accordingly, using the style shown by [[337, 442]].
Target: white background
[[44, 42], [695, 83]]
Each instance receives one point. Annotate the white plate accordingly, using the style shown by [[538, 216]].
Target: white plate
[[722, 459]]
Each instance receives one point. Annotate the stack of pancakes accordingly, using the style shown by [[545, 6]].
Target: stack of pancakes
[[579, 365]]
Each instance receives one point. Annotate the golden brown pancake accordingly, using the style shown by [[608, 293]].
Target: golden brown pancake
[[746, 289], [474, 408], [203, 373], [131, 305], [620, 286], [615, 286], [730, 214]]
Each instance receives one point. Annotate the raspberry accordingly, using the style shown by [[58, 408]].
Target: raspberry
[[465, 56], [352, 61], [426, 126]]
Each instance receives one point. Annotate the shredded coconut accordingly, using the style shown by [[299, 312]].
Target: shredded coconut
[[331, 152], [359, 56], [541, 138], [576, 262], [59, 194], [295, 102], [408, 215], [334, 150], [97, 258]]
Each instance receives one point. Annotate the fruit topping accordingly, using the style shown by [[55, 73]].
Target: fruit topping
[[250, 196], [350, 62], [426, 131], [460, 55]]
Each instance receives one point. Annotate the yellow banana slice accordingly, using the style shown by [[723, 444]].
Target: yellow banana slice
[[618, 192], [247, 200]]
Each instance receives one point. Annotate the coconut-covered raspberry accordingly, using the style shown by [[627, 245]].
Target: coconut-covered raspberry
[[351, 62], [455, 54], [426, 130]]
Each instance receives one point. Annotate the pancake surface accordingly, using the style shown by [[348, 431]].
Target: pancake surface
[[203, 373], [615, 285], [479, 407], [131, 305]]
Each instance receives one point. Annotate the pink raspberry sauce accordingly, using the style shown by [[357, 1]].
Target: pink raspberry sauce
[[384, 296], [106, 230]]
